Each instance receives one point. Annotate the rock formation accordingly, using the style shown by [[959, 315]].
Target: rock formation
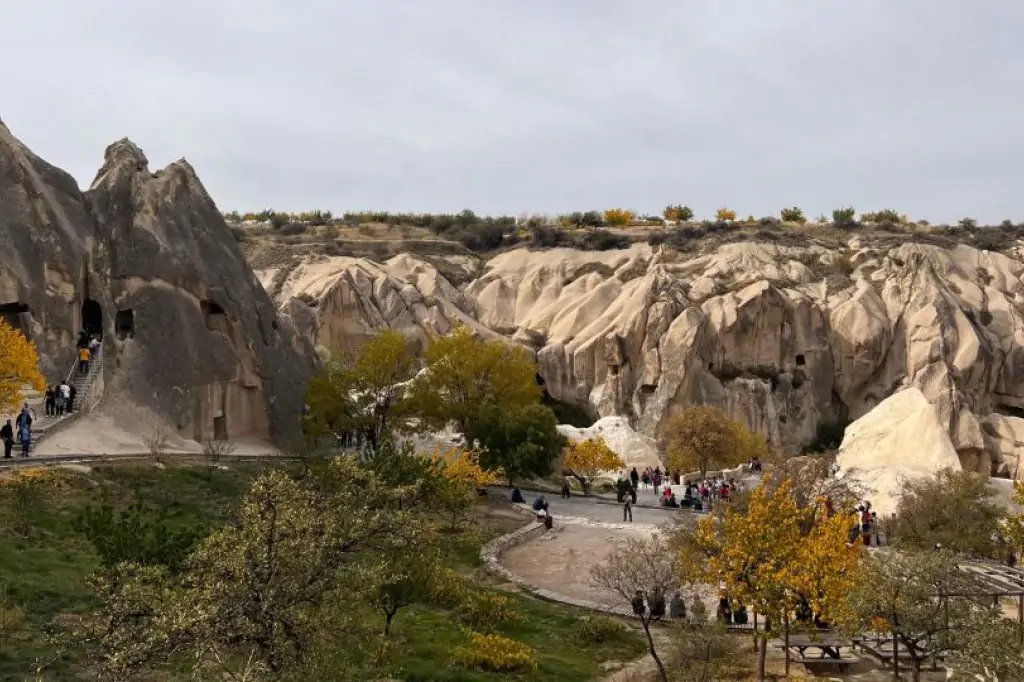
[[797, 341], [146, 259]]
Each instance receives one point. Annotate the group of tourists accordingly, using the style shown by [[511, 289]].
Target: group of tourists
[[21, 431], [60, 399], [88, 346], [866, 526]]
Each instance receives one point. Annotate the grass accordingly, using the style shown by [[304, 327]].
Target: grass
[[47, 574]]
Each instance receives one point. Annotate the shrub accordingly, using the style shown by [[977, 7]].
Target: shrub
[[278, 220], [547, 237], [365, 230], [484, 610], [598, 630], [618, 216], [792, 215], [494, 653], [886, 215], [291, 229], [726, 214], [447, 589], [678, 213], [769, 221], [845, 216], [1006, 224], [603, 240], [967, 223]]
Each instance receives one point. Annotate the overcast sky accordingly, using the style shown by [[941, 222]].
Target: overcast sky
[[537, 105]]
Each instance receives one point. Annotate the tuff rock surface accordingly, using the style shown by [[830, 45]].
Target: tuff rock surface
[[796, 341], [188, 330]]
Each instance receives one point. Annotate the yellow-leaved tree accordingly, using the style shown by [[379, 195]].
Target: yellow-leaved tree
[[775, 556], [592, 456], [703, 437], [461, 476], [19, 366], [618, 216], [726, 214]]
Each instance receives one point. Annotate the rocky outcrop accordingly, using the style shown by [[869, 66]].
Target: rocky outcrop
[[146, 258], [795, 341], [901, 441]]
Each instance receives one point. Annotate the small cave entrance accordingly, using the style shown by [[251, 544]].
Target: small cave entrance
[[220, 428], [124, 324], [1008, 410], [14, 314], [92, 317], [800, 360], [214, 315]]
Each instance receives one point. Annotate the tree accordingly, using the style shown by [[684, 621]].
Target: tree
[[522, 443], [405, 577], [726, 214], [592, 456], [618, 217], [753, 555], [638, 574], [467, 379], [954, 509], [827, 565], [702, 650], [268, 584], [845, 216], [678, 213], [703, 437], [793, 215], [364, 394], [19, 367], [24, 493], [461, 476], [967, 224], [931, 607], [811, 481]]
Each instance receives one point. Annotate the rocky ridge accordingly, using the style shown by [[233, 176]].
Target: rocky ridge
[[797, 341], [146, 258]]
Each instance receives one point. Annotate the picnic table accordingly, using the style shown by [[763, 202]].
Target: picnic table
[[819, 651], [881, 648]]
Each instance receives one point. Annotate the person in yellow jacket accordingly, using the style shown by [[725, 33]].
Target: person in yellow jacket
[[84, 355]]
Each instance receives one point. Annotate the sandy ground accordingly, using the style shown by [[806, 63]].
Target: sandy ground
[[562, 561], [100, 433]]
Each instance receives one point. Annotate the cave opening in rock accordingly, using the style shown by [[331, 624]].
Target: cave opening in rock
[[800, 360], [1009, 410], [14, 314], [220, 428], [92, 317], [124, 324], [213, 313]]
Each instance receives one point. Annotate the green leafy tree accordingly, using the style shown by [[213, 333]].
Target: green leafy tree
[[793, 215], [468, 378], [954, 509], [678, 213], [523, 443], [364, 393], [845, 216], [932, 608]]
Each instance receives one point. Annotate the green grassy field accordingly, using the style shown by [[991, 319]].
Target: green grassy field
[[45, 571]]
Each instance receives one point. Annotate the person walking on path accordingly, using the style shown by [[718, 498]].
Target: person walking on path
[[26, 439], [627, 509], [634, 478], [566, 487], [7, 435]]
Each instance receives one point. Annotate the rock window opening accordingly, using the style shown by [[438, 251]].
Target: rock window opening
[[800, 361], [124, 324], [92, 317], [614, 370], [14, 314], [213, 313], [711, 367], [273, 324]]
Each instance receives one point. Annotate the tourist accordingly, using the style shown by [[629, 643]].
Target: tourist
[[677, 477], [634, 478], [638, 603], [84, 354], [24, 418], [656, 480], [50, 401], [566, 487], [94, 345], [677, 607], [657, 603], [83, 340], [25, 436], [517, 497], [724, 612], [739, 616], [72, 394], [7, 436], [540, 504], [645, 478], [548, 521], [63, 393], [627, 510]]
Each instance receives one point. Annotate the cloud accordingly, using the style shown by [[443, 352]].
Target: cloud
[[537, 105]]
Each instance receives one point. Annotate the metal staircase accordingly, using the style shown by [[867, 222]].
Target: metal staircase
[[84, 401]]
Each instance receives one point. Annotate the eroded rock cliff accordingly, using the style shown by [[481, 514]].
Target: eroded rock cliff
[[796, 341], [145, 257]]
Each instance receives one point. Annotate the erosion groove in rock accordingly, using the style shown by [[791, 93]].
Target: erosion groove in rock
[[796, 341], [146, 258]]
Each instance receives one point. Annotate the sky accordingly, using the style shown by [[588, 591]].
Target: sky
[[537, 106]]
